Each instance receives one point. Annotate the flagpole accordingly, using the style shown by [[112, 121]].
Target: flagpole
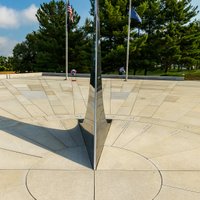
[[66, 48], [128, 40]]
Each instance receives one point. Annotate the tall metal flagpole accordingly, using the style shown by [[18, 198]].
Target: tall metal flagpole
[[128, 40], [66, 51]]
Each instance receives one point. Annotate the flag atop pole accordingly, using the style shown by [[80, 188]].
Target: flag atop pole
[[135, 16], [132, 15], [70, 12], [69, 19], [128, 40]]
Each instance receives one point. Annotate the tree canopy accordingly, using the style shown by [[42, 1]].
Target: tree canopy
[[168, 37]]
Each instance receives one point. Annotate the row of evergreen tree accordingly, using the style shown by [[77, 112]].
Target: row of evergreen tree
[[169, 36]]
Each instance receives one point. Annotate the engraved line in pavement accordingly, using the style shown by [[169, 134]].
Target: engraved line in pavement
[[18, 152]]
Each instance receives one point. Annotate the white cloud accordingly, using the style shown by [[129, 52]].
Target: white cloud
[[10, 18], [6, 46], [29, 13]]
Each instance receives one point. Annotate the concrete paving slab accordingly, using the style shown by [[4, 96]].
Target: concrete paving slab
[[119, 185], [16, 160], [12, 185], [59, 185], [12, 143], [151, 152], [159, 145], [188, 160], [187, 180], [174, 193], [124, 160], [15, 108], [43, 105], [130, 133], [75, 158]]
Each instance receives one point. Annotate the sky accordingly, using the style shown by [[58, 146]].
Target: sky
[[17, 19]]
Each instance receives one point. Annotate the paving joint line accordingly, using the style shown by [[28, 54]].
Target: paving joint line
[[18, 152], [179, 188]]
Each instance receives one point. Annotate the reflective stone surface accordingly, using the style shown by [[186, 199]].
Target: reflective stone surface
[[102, 128], [95, 127]]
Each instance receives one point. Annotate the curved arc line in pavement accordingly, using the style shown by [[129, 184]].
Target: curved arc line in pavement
[[161, 177], [26, 184]]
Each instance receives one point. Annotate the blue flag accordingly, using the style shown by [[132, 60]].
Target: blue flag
[[135, 16]]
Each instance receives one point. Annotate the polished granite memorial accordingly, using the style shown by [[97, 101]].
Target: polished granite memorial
[[95, 127]]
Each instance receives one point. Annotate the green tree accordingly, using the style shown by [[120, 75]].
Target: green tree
[[3, 61], [190, 46], [51, 40], [44, 49], [80, 47], [162, 24], [114, 31], [51, 36], [24, 54], [177, 14], [22, 57]]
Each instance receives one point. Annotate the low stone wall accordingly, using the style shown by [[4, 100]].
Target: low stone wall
[[25, 75], [22, 75], [174, 78]]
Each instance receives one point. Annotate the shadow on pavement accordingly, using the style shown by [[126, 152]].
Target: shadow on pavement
[[66, 143]]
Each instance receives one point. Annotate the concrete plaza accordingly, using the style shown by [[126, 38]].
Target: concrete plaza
[[152, 151]]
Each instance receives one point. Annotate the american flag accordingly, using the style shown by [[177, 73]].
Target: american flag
[[70, 11]]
